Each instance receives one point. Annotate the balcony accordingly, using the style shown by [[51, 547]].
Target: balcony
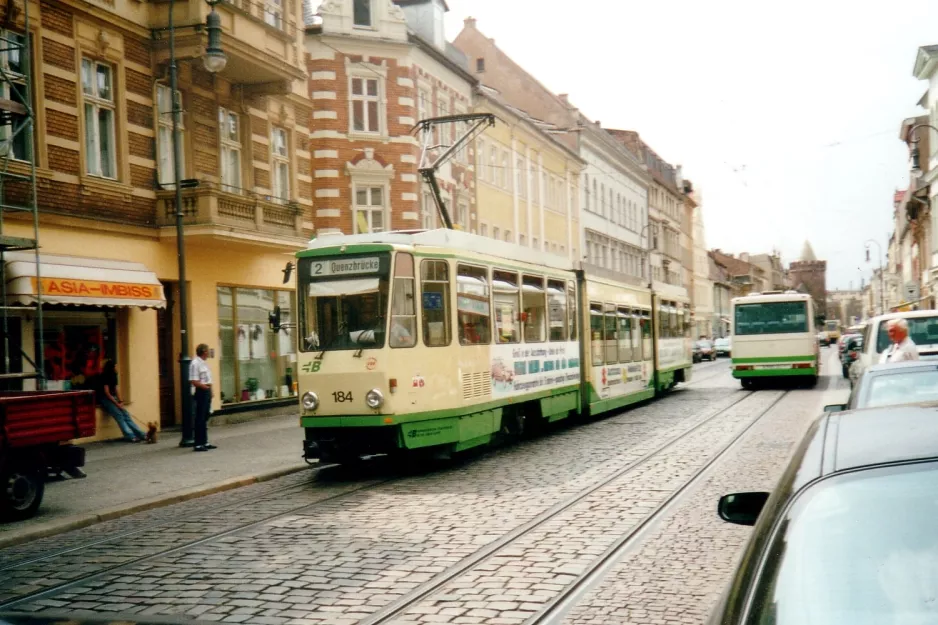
[[217, 213], [265, 49]]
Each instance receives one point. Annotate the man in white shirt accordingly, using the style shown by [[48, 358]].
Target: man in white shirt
[[200, 377], [902, 347]]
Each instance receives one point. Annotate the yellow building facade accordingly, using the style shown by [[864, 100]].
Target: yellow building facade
[[527, 183]]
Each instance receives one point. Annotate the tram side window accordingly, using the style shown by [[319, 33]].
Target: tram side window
[[612, 323], [636, 336], [556, 310], [572, 312], [472, 305], [507, 310], [596, 333], [403, 332], [535, 309], [687, 324], [646, 334], [664, 329], [625, 335], [434, 277], [675, 330]]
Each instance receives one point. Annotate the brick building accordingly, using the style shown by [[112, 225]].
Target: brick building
[[102, 150], [809, 275], [375, 68]]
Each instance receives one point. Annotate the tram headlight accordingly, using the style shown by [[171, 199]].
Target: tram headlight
[[374, 398], [310, 400]]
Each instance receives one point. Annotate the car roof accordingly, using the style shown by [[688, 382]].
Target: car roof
[[906, 364], [908, 314], [845, 441]]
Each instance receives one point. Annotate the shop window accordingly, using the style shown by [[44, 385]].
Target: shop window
[[255, 363], [557, 310], [75, 345], [596, 332], [572, 312], [534, 305], [625, 335], [611, 333], [403, 332], [472, 305], [434, 277], [507, 310]]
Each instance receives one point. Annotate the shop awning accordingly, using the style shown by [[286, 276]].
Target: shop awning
[[333, 288], [78, 281]]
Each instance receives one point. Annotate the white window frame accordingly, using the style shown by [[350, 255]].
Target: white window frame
[[280, 164], [231, 180], [520, 178], [166, 175], [366, 99], [368, 209], [371, 14], [7, 147], [273, 13], [428, 211], [94, 102]]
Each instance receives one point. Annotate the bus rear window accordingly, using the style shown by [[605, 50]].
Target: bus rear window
[[771, 318]]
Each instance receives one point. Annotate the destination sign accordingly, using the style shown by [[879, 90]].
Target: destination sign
[[345, 266]]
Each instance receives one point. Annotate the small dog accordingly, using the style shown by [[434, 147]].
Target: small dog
[[151, 433]]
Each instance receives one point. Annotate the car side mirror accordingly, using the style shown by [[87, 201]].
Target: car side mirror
[[274, 319], [742, 508], [835, 407]]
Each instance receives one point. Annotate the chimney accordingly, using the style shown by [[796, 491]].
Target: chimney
[[469, 22]]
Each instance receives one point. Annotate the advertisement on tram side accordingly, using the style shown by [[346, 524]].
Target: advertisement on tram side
[[520, 369]]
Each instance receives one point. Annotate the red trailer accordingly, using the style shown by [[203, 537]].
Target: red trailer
[[36, 430]]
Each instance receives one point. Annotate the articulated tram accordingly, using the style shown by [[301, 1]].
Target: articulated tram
[[442, 340]]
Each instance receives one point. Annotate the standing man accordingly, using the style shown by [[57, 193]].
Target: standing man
[[201, 379], [902, 347]]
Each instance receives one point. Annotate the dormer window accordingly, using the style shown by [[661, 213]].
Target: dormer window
[[361, 13]]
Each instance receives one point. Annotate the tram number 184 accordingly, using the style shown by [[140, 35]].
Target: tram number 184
[[341, 397]]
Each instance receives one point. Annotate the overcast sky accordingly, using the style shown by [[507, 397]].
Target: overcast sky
[[787, 119]]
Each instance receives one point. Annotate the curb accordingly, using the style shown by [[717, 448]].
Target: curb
[[67, 524]]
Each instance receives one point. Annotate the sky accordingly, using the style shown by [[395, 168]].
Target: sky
[[786, 117]]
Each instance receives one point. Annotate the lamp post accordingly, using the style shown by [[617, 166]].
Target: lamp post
[[214, 60], [882, 283]]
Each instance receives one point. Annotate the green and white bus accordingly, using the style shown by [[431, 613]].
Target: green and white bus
[[774, 336]]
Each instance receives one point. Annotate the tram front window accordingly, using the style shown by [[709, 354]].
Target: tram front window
[[346, 303]]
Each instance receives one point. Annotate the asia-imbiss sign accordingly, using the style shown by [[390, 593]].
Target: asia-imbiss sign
[[70, 287]]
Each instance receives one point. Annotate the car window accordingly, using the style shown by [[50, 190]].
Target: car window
[[903, 387], [858, 549], [922, 331]]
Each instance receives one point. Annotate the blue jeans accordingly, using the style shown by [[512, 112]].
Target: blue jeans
[[124, 421]]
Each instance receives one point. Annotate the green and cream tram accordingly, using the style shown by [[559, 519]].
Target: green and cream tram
[[443, 340]]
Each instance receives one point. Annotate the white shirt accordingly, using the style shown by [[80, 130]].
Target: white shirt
[[906, 350], [199, 371]]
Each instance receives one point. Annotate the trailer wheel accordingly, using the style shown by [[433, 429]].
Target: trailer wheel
[[21, 494]]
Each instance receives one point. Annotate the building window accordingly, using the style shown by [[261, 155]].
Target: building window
[[462, 214], [493, 164], [519, 178], [483, 230], [361, 13], [164, 147], [480, 64], [508, 236], [256, 363], [428, 212], [522, 240], [586, 192], [97, 85], [369, 209], [230, 132], [496, 232], [535, 187], [602, 200], [365, 105], [16, 136], [281, 165], [273, 13], [423, 104], [505, 177], [534, 243]]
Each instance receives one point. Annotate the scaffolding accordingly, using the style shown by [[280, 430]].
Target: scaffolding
[[18, 194]]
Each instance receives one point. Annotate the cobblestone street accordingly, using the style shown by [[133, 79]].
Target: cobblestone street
[[500, 537]]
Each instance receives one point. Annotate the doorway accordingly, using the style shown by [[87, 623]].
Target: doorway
[[167, 363]]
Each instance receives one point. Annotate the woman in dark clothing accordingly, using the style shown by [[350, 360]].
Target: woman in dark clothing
[[110, 400]]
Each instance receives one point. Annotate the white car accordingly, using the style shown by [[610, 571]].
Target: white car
[[923, 330], [723, 347]]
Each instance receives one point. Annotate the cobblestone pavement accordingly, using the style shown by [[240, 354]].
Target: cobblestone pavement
[[357, 546], [677, 574]]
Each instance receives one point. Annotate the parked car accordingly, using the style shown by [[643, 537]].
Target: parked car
[[723, 347], [923, 330], [822, 339], [851, 353], [895, 384], [705, 350], [847, 536]]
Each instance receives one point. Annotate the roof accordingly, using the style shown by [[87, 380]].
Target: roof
[[925, 61], [807, 252], [879, 435], [405, 3]]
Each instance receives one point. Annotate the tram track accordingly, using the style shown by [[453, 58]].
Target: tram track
[[404, 604]]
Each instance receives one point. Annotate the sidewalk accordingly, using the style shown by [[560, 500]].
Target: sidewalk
[[124, 478]]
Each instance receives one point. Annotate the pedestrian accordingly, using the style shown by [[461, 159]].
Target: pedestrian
[[902, 347], [201, 379], [112, 403]]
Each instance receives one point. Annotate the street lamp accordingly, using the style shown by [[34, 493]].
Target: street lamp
[[912, 142], [214, 60], [882, 288]]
